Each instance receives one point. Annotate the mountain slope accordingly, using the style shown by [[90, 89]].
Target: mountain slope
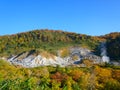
[[40, 40], [51, 41], [113, 48]]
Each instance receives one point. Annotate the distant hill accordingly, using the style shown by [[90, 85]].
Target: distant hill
[[48, 40], [53, 40]]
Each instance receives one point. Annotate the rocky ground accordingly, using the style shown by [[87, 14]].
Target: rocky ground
[[26, 59]]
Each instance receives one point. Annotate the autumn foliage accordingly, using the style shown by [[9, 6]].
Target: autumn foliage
[[58, 78]]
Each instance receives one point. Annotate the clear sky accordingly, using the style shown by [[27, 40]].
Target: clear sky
[[92, 17]]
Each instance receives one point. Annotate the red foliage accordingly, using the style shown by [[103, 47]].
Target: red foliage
[[59, 77]]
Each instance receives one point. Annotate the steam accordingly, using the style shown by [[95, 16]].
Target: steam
[[105, 58]]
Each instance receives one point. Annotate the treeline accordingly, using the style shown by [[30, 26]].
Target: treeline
[[49, 40], [113, 48], [112, 35]]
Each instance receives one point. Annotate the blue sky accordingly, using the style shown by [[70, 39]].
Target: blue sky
[[92, 17]]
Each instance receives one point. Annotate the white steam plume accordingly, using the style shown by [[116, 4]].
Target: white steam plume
[[105, 58]]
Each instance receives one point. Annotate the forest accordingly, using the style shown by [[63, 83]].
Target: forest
[[48, 40], [92, 77], [53, 40]]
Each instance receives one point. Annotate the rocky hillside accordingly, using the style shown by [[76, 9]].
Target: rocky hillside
[[49, 47], [74, 57]]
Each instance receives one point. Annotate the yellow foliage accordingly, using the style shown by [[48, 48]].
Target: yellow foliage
[[42, 72], [65, 52], [84, 81], [75, 57], [55, 85], [88, 63], [103, 74], [47, 55], [69, 83], [84, 46], [45, 72], [116, 74], [76, 74]]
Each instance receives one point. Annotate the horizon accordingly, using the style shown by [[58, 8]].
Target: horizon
[[56, 30], [95, 17]]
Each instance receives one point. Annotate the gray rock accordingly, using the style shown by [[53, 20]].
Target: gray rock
[[26, 59]]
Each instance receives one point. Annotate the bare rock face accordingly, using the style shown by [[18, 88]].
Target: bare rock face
[[28, 59], [85, 54], [34, 61]]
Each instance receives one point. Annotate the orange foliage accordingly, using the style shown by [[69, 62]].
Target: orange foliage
[[76, 74], [116, 74], [88, 63], [59, 77], [65, 52], [112, 35], [47, 55], [103, 74]]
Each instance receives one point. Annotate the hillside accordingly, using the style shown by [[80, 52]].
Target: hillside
[[113, 47], [48, 40], [58, 60], [52, 41]]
